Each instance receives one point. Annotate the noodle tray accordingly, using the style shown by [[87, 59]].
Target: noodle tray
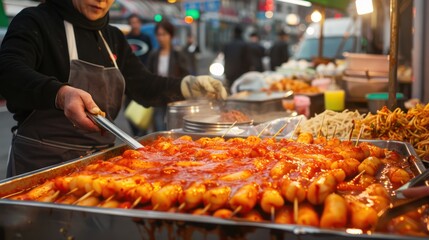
[[28, 219]]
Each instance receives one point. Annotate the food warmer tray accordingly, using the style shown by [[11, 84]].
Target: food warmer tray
[[27, 219]]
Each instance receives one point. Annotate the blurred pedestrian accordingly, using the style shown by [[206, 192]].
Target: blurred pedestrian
[[237, 60], [139, 42], [257, 52], [166, 61], [141, 46], [191, 50], [279, 52]]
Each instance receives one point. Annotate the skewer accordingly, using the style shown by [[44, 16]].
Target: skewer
[[136, 202], [72, 191], [360, 134], [335, 131], [358, 176], [295, 210], [260, 133], [87, 195], [181, 207], [351, 131], [319, 132], [238, 209], [206, 208], [226, 132], [13, 194], [155, 207], [280, 130], [107, 200], [273, 214], [296, 128]]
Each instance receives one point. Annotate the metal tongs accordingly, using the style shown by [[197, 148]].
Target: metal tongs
[[385, 216], [421, 178], [109, 126]]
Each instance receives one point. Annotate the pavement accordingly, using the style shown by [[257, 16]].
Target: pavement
[[7, 122]]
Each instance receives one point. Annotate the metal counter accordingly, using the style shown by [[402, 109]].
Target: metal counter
[[37, 220]]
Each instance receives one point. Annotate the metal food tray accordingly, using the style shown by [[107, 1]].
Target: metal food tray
[[258, 102], [28, 219]]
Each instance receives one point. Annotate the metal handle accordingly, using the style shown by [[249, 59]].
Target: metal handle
[[109, 126]]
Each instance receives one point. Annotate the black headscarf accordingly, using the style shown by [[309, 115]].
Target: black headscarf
[[70, 14]]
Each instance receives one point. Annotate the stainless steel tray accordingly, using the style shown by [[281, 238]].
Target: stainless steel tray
[[27, 219]]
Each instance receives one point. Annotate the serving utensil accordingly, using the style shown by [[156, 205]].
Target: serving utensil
[[109, 126], [421, 178], [386, 216]]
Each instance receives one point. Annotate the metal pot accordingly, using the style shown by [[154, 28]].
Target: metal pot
[[177, 110]]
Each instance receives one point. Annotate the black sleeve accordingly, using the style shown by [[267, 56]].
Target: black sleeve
[[184, 64], [143, 86], [20, 56]]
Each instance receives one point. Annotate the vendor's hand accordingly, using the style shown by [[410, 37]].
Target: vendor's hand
[[194, 87], [75, 102]]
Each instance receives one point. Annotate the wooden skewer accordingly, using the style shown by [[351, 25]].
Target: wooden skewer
[[72, 191], [280, 130], [136, 202], [181, 207], [107, 200], [87, 195], [296, 128], [358, 176], [237, 210], [360, 134], [155, 207], [319, 132], [226, 132], [206, 208], [13, 194], [335, 131], [260, 133], [295, 210], [351, 131], [273, 214]]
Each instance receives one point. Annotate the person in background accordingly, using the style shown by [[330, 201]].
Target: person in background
[[62, 60], [141, 46], [166, 61], [237, 57], [257, 52], [279, 52], [191, 50]]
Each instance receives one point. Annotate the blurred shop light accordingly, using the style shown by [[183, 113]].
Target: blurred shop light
[[316, 16], [297, 2], [194, 13], [310, 31], [364, 6], [269, 14], [292, 19], [189, 19], [157, 17], [217, 69], [171, 1]]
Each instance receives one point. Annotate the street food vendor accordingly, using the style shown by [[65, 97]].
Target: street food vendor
[[61, 59]]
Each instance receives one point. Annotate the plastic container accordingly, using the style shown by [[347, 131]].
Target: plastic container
[[377, 101], [367, 62], [302, 105]]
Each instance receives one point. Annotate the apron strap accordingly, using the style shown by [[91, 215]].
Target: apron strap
[[108, 50], [71, 41]]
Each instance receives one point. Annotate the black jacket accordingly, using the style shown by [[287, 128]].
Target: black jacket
[[279, 54], [34, 62], [237, 60], [178, 65]]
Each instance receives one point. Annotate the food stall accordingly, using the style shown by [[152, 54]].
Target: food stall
[[329, 177]]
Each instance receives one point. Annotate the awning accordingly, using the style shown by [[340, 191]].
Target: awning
[[335, 4]]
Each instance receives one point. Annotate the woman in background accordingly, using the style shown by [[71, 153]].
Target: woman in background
[[167, 62]]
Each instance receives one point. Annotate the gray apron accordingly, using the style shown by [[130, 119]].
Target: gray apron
[[47, 137]]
